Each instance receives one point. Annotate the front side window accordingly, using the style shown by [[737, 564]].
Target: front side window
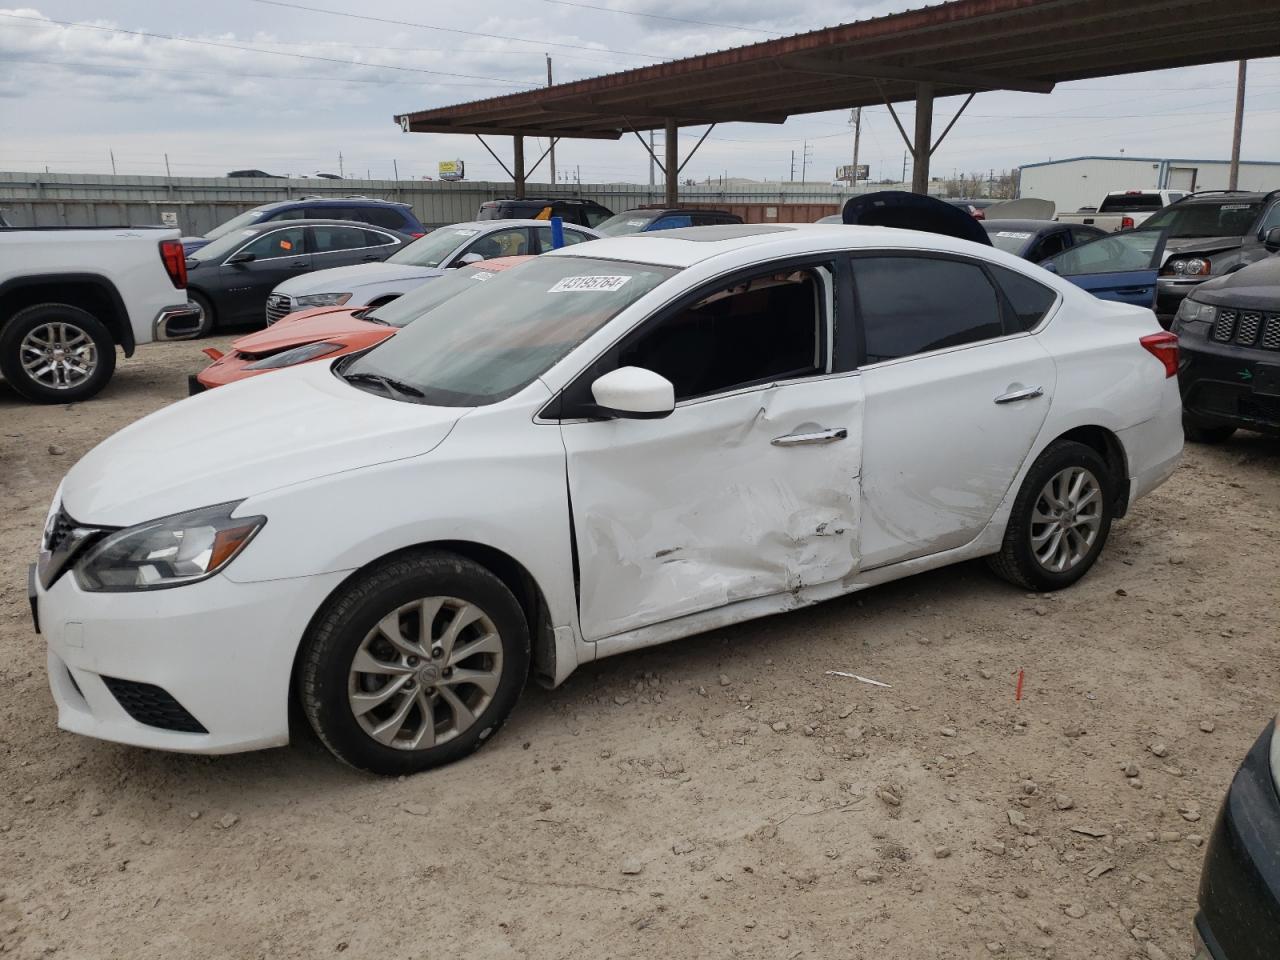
[[752, 331], [571, 237], [1115, 253], [493, 337], [910, 305], [595, 216], [1271, 220], [278, 243], [513, 242]]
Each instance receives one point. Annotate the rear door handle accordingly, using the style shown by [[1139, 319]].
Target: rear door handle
[[1024, 393], [371, 258], [818, 436], [1133, 291]]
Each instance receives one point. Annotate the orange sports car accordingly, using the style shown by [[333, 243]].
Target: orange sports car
[[329, 332]]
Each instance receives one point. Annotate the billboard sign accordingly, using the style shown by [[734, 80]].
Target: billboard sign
[[845, 172], [452, 170]]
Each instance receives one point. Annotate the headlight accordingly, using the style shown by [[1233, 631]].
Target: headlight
[[168, 552], [322, 300], [1190, 267], [300, 354]]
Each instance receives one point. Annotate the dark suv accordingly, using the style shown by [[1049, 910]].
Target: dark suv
[[1208, 234], [1229, 349], [586, 213], [379, 213]]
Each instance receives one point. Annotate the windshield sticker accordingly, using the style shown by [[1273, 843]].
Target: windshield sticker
[[482, 274], [604, 284], [1014, 235], [465, 233], [1235, 206], [636, 223]]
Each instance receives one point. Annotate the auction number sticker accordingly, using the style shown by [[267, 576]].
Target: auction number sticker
[[1014, 235], [605, 284], [482, 274]]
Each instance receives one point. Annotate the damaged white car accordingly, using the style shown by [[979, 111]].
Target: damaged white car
[[615, 445]]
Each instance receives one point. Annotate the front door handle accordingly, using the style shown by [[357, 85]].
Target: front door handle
[[371, 258], [818, 436], [1133, 291], [1023, 393]]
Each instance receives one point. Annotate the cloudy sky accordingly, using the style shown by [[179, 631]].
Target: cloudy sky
[[286, 86]]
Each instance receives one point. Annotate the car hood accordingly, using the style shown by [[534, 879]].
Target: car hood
[[247, 438], [311, 327], [1256, 287], [912, 211], [1182, 245], [343, 279]]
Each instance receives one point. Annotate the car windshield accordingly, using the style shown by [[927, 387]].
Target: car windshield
[[1223, 218], [245, 219], [632, 221], [225, 244], [433, 249], [1010, 241], [492, 339], [1114, 253], [403, 310]]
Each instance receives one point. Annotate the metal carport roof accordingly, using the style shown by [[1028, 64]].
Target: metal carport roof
[[965, 46]]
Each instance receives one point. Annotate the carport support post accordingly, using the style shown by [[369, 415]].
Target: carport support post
[[518, 164], [924, 138], [672, 146]]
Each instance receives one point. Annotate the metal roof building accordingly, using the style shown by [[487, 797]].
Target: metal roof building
[[960, 47], [1076, 182]]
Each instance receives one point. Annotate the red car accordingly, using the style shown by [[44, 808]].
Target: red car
[[329, 332]]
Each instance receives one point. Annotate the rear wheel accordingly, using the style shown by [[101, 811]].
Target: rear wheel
[[56, 353], [1060, 519], [1199, 433], [208, 316], [414, 664]]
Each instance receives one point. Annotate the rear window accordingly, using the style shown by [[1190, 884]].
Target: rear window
[[1131, 203]]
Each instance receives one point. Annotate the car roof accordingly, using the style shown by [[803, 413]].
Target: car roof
[[343, 201], [542, 200], [656, 211], [1222, 196], [686, 246], [266, 225], [487, 225]]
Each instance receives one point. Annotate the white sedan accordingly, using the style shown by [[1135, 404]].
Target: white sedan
[[616, 445], [373, 284]]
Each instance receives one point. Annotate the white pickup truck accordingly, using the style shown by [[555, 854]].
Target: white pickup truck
[[1123, 209], [70, 296]]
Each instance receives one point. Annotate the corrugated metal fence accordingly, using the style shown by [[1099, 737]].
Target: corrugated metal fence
[[196, 204]]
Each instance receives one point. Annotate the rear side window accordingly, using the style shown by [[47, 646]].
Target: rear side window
[[333, 239], [374, 238], [1030, 301], [388, 217], [910, 305], [594, 215], [672, 222]]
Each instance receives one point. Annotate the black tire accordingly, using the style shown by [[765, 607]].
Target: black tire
[[208, 315], [74, 322], [1200, 433], [341, 629], [1017, 561]]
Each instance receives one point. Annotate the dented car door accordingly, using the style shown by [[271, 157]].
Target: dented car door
[[745, 490]]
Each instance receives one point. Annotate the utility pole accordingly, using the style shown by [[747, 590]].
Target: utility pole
[[855, 118], [113, 162], [341, 172], [652, 183], [166, 166], [396, 168], [792, 178], [1233, 179], [552, 153], [805, 157], [905, 154]]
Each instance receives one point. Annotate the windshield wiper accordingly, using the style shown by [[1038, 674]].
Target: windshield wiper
[[395, 388]]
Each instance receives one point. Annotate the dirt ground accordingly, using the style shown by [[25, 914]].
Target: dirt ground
[[718, 797]]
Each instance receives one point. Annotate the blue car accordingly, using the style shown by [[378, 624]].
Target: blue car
[[380, 213], [645, 220]]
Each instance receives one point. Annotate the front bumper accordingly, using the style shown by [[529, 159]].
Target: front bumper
[[1170, 292], [1224, 384], [1239, 916], [219, 650]]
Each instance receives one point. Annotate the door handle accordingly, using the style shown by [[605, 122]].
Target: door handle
[[1133, 291], [818, 436], [371, 258], [1024, 393]]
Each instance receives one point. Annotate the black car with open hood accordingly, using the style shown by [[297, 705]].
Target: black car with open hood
[[913, 211]]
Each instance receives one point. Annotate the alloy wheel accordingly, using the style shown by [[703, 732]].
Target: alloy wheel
[[58, 355], [1066, 519], [425, 673]]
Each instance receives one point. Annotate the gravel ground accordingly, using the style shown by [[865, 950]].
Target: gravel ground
[[717, 797]]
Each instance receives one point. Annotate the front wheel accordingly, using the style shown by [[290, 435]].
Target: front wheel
[[414, 663], [1199, 433], [1060, 519], [56, 353]]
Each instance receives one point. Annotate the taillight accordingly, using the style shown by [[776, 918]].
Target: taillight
[[1164, 347], [978, 214], [1126, 223], [417, 235], [175, 262]]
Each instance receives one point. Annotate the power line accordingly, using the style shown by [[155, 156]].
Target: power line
[[238, 75], [466, 33], [273, 53], [659, 16]]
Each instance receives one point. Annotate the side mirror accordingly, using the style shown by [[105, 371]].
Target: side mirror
[[1050, 266], [243, 256], [634, 393], [467, 259], [1272, 240]]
